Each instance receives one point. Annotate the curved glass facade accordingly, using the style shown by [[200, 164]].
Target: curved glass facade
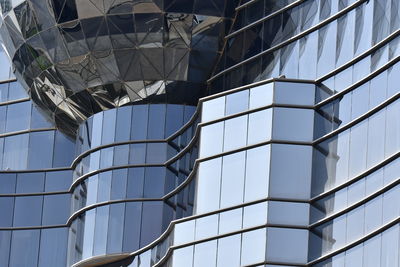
[[216, 133]]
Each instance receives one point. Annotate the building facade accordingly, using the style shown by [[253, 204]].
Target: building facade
[[198, 133]]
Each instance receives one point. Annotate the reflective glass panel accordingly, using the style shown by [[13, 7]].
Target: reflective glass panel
[[26, 241]]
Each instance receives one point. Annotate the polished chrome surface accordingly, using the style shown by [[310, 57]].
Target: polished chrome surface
[[79, 57]]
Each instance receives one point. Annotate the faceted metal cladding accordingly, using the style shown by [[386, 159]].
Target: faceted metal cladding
[[79, 57]]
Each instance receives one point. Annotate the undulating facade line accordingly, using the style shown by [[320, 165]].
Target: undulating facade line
[[193, 133]]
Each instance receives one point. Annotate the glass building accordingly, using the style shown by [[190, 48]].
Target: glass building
[[200, 133]]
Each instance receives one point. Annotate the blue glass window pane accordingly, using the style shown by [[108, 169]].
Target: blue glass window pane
[[133, 213], [372, 252], [15, 152], [154, 184], [253, 247], [56, 209], [104, 186], [152, 218], [390, 247], [106, 157], [211, 139], [115, 228], [156, 121], [233, 168], [53, 247], [290, 164], [121, 155], [5, 239], [41, 150], [123, 127], [3, 119], [28, 242], [100, 231], [8, 183], [174, 119], [230, 221], [261, 96], [39, 120], [237, 102], [119, 184], [255, 215], [156, 153], [63, 151], [358, 149], [294, 93], [88, 233], [288, 213], [16, 91], [137, 153], [235, 135], [58, 181], [183, 257], [135, 184], [229, 251], [260, 125], [30, 182], [7, 209], [28, 211], [18, 116], [205, 254], [257, 173], [97, 130], [140, 118], [293, 124], [213, 109], [4, 92], [206, 227], [108, 131], [286, 239], [184, 232], [208, 185]]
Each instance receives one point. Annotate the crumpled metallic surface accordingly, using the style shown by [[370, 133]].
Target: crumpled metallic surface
[[79, 57]]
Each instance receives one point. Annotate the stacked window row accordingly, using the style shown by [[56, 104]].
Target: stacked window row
[[362, 68], [138, 122], [358, 101], [378, 251], [227, 222], [271, 212], [313, 55], [245, 249], [207, 227], [287, 124], [236, 133], [141, 153], [136, 154], [28, 211], [132, 183], [355, 192], [277, 92], [6, 72], [36, 150], [21, 116], [11, 91], [254, 174], [355, 224], [360, 147], [277, 29], [34, 248], [125, 227], [257, 10], [35, 182]]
